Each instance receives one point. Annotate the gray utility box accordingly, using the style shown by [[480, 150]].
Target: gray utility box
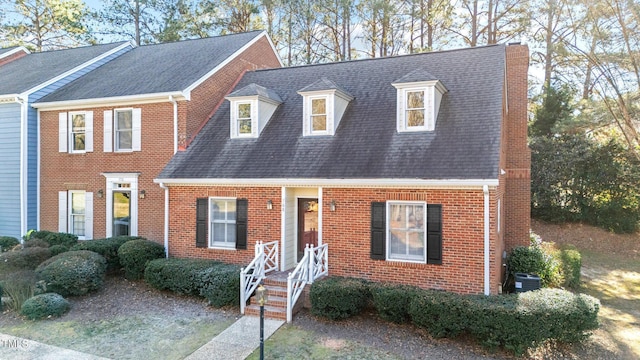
[[527, 282]]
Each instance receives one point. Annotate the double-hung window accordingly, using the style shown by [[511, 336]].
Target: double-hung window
[[75, 213], [77, 132], [123, 131], [318, 114], [407, 240], [222, 223], [243, 119], [77, 208], [415, 112]]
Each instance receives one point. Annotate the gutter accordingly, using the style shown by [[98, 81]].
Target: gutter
[[175, 123], [485, 190], [166, 220]]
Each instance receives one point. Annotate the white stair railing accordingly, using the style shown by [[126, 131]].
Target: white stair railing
[[313, 265], [265, 260]]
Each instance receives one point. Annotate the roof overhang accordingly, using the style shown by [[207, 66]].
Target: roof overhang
[[342, 183], [110, 101], [10, 98], [15, 51]]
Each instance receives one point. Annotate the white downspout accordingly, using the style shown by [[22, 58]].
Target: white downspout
[[485, 189], [166, 219], [24, 119], [175, 123]]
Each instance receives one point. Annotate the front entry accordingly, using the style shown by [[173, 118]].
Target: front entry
[[307, 224], [121, 212]]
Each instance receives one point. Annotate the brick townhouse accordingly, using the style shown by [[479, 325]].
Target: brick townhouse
[[108, 134], [412, 169]]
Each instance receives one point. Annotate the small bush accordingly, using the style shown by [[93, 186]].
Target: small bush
[[135, 254], [392, 301], [441, 313], [182, 276], [73, 272], [7, 243], [44, 306], [533, 260], [28, 258], [19, 287], [571, 261], [106, 247], [54, 238], [338, 298], [58, 249], [36, 243], [221, 285]]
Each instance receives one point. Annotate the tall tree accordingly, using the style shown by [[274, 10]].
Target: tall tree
[[490, 22], [428, 20], [383, 26], [46, 24]]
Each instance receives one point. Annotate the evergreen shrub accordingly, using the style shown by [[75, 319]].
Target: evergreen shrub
[[54, 238], [27, 258], [182, 276], [73, 272], [135, 254], [338, 298], [7, 243], [221, 285], [44, 306], [392, 301], [108, 248]]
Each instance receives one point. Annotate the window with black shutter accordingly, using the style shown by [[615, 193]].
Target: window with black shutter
[[202, 216], [378, 230], [434, 234]]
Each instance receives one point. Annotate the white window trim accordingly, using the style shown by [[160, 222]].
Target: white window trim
[[112, 180], [64, 212], [115, 130], [429, 123], [308, 108], [70, 132], [234, 128], [388, 230], [210, 242]]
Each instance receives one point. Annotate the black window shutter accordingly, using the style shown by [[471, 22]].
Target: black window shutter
[[202, 214], [434, 234], [241, 223], [378, 230]]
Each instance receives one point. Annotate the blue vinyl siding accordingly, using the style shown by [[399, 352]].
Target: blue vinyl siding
[[10, 170]]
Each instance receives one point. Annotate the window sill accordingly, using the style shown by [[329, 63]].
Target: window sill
[[222, 247]]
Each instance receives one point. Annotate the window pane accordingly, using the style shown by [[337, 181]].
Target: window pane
[[415, 118], [231, 233], [217, 210], [244, 111], [244, 126], [219, 232], [77, 226], [77, 203], [415, 100], [231, 210], [124, 140], [319, 122], [318, 106], [78, 122], [124, 120], [78, 141]]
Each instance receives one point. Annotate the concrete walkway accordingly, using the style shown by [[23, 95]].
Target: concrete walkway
[[235, 343], [238, 341]]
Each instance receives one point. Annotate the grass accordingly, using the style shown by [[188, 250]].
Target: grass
[[138, 337], [291, 342]]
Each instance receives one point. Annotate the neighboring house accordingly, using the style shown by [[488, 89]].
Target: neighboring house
[[412, 169], [12, 53], [24, 79], [107, 135]]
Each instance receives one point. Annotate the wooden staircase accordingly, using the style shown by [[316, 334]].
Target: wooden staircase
[[276, 306]]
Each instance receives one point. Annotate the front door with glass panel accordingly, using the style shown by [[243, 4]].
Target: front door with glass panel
[[121, 212], [307, 224]]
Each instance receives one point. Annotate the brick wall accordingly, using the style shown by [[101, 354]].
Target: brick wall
[[12, 57], [347, 232], [210, 94], [518, 155]]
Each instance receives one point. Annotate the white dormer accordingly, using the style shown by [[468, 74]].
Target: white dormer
[[419, 97], [324, 103], [251, 108]]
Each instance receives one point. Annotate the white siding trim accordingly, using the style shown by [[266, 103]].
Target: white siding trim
[[62, 132], [107, 131], [62, 211], [88, 131], [88, 215], [304, 182], [136, 131]]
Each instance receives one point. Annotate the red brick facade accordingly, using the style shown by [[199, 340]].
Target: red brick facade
[[65, 171]]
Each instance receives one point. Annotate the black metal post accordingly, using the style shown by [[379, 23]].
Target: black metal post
[[261, 331]]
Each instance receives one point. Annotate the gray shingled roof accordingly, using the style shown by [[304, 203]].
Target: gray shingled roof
[[36, 68], [416, 76], [256, 90], [4, 50], [464, 145], [153, 69]]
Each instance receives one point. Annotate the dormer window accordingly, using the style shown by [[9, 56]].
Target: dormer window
[[318, 115], [251, 108], [323, 106], [419, 97]]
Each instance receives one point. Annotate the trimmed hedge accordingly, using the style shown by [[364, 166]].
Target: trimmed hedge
[[73, 272], [221, 285], [135, 254], [108, 248], [7, 243], [27, 258], [54, 238], [338, 298], [58, 249], [533, 260], [182, 276], [392, 301], [441, 313], [36, 243], [44, 306]]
